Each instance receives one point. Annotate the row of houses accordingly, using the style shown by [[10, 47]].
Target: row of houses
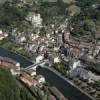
[[11, 65], [31, 78]]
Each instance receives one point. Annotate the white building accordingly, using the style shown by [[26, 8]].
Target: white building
[[1, 32], [74, 64], [39, 58], [57, 60], [3, 35], [35, 19], [56, 49], [15, 72], [22, 39], [17, 64]]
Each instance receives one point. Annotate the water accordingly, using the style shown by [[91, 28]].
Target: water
[[6, 53], [69, 91]]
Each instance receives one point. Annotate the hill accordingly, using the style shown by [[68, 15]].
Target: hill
[[9, 89], [86, 24]]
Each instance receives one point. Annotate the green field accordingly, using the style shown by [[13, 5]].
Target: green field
[[10, 90]]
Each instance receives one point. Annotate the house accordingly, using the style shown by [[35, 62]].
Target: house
[[15, 72], [57, 60], [30, 72], [54, 57], [40, 79], [22, 39], [26, 81], [1, 32], [15, 63], [48, 35], [11, 65], [3, 35]]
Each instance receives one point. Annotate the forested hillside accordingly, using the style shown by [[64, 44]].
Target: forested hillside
[[9, 89], [84, 15], [87, 24]]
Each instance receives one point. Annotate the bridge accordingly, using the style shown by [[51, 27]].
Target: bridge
[[34, 66]]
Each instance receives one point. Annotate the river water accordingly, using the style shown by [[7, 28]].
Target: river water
[[69, 91], [23, 61]]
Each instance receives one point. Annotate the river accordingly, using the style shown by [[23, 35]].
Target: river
[[23, 61], [69, 91]]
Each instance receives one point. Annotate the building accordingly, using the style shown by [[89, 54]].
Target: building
[[31, 72], [3, 35], [85, 74], [35, 19], [54, 57], [74, 63], [56, 49], [39, 58], [15, 72], [26, 81], [57, 60], [40, 79]]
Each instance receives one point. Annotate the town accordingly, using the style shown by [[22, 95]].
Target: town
[[72, 58], [54, 48]]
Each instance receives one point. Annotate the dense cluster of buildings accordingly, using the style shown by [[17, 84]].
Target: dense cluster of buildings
[[34, 80], [59, 46]]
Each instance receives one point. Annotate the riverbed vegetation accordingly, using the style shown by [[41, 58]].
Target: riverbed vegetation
[[20, 51], [61, 68], [95, 68]]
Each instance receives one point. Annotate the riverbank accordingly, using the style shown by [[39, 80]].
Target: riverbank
[[67, 80], [24, 62]]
